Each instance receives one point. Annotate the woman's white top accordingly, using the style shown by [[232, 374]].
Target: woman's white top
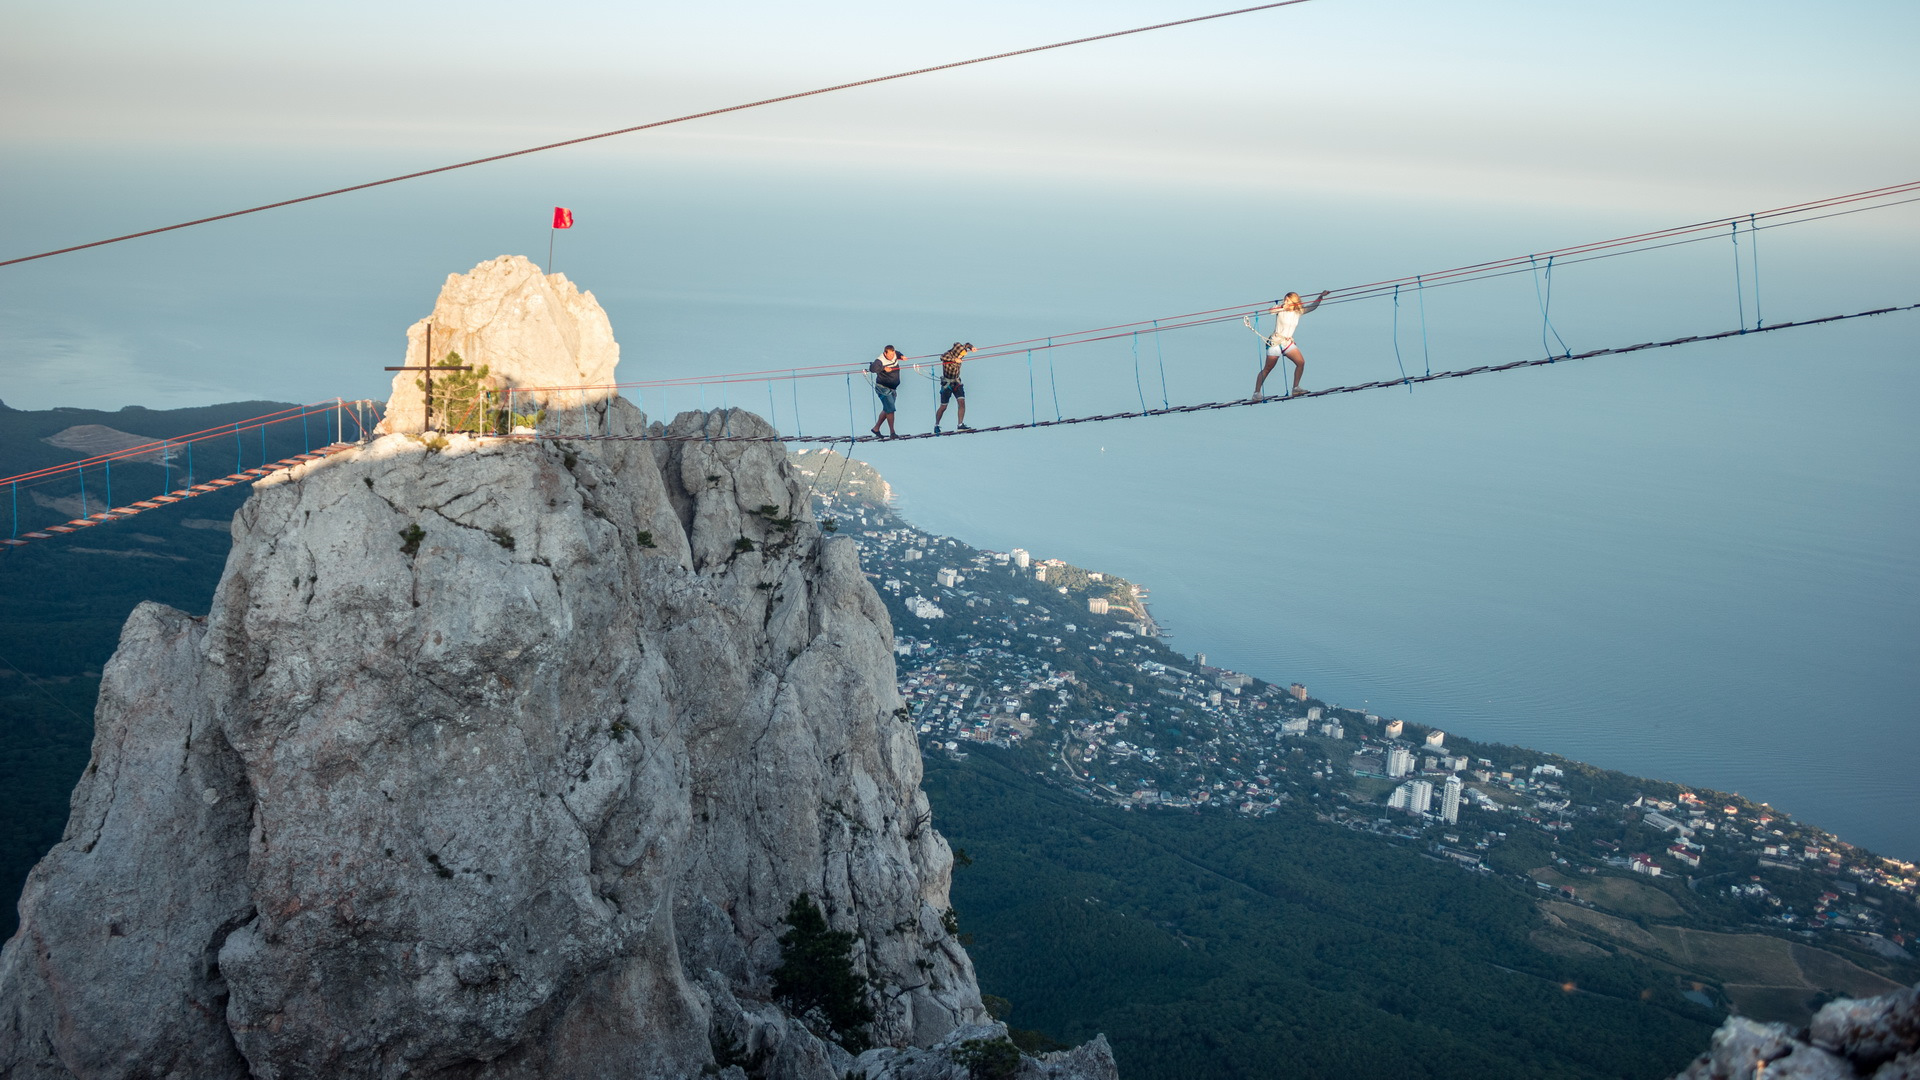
[[1284, 324]]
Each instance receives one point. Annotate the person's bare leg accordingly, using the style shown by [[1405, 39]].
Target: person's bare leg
[[1264, 372], [937, 414], [891, 430], [960, 417], [1299, 365]]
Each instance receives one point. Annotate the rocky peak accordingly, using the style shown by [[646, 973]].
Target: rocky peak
[[527, 328], [500, 758]]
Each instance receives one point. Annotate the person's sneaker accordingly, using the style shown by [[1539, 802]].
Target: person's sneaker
[[936, 429], [1297, 391], [962, 427]]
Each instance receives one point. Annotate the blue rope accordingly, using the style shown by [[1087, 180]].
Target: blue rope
[[1053, 380], [795, 383], [726, 414], [1157, 351], [773, 411], [1426, 357], [189, 464], [16, 509], [109, 467], [853, 426], [306, 440], [1546, 309], [166, 466], [1739, 295], [1136, 371], [1396, 339], [1033, 406], [83, 491], [263, 445], [1753, 240]]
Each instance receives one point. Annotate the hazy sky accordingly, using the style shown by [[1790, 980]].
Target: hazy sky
[[119, 116], [1645, 100]]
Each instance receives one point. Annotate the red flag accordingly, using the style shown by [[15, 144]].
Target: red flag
[[562, 218]]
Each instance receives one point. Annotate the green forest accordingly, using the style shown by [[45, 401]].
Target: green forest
[[1209, 946], [67, 598]]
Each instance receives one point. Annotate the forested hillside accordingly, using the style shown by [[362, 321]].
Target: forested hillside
[[67, 598], [1211, 946]]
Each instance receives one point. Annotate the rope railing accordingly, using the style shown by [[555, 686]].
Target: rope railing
[[1879, 198], [1431, 376]]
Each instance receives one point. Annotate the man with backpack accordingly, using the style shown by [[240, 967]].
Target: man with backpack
[[885, 370], [951, 386]]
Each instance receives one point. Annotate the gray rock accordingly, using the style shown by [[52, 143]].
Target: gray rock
[[1870, 1031], [1848, 1039], [944, 1060], [492, 759]]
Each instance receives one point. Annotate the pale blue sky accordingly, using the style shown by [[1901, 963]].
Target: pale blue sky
[[1455, 120]]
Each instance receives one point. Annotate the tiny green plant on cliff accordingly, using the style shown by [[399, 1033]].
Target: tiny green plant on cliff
[[411, 535], [988, 1059], [816, 977]]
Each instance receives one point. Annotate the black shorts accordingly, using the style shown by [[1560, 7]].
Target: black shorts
[[954, 389]]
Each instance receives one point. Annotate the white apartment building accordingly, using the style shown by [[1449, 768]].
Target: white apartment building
[[1419, 797], [1450, 801], [1399, 761]]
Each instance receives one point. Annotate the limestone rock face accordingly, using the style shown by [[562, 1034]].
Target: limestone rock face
[[493, 759], [528, 328], [1877, 1038]]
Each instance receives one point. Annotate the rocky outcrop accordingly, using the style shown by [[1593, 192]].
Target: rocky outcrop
[[501, 758], [529, 329], [970, 1051], [492, 759], [1877, 1038]]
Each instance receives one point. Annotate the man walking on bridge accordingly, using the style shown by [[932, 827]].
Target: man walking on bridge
[[952, 387]]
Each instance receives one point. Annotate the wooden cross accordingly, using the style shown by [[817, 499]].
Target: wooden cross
[[427, 425]]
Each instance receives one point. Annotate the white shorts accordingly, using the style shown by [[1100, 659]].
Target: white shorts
[[1276, 350]]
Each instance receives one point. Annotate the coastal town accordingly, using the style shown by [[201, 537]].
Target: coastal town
[[1063, 671]]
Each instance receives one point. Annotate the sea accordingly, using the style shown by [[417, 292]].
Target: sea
[[1700, 564]]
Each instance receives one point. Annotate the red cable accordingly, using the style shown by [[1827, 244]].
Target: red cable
[[649, 126]]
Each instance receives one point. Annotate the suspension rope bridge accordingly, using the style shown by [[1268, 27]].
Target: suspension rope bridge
[[1880, 198], [178, 452], [1234, 403]]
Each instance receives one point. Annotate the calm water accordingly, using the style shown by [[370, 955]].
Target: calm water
[[1697, 564]]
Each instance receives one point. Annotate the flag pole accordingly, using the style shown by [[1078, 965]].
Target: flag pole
[[551, 233]]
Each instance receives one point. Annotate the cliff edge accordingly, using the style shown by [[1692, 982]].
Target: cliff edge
[[499, 758]]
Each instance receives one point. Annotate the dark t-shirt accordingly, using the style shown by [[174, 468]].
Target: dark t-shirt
[[888, 377]]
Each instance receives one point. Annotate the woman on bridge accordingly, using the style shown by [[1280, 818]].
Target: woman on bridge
[[1286, 318]]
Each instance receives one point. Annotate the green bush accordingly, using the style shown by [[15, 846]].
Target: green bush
[[816, 975], [988, 1059]]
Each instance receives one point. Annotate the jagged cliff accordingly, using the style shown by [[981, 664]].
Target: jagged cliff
[[498, 759], [1866, 1039]]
